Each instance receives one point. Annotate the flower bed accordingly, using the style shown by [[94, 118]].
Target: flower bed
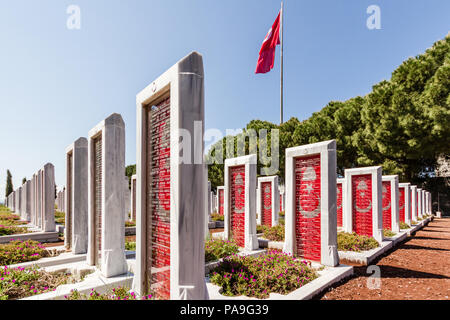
[[16, 283], [9, 222], [275, 272], [216, 249], [21, 251], [119, 293], [388, 233], [216, 217], [354, 242], [404, 225]]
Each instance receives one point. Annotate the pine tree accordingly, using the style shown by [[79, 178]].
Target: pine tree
[[9, 184]]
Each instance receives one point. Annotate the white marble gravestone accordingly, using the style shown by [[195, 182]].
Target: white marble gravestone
[[406, 204], [268, 196], [170, 171], [106, 221], [240, 201], [414, 207], [392, 202], [368, 201], [76, 210], [310, 216]]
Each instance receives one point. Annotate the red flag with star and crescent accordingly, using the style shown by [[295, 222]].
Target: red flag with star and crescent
[[267, 53]]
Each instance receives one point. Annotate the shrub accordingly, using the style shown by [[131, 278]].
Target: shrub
[[119, 293], [216, 217], [355, 242], [216, 249], [130, 224], [388, 233], [419, 218], [130, 246], [21, 251], [404, 225], [16, 283], [281, 214], [259, 276], [60, 217], [413, 222], [260, 228], [275, 233]]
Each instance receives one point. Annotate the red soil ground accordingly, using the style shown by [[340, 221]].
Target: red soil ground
[[418, 269]]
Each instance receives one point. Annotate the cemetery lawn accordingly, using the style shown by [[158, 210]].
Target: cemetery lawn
[[17, 283], [354, 242], [216, 249], [275, 272]]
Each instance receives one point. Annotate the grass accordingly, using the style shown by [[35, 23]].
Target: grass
[[216, 249], [259, 276], [355, 242]]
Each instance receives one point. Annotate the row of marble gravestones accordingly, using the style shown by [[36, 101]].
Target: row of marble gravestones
[[169, 200], [95, 196], [34, 201], [61, 200], [368, 202]]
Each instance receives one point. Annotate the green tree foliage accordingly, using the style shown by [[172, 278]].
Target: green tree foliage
[[402, 125], [9, 184], [129, 171], [24, 180]]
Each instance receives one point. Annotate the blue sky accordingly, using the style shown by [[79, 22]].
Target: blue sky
[[56, 84]]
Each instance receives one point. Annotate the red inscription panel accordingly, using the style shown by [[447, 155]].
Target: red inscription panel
[[339, 204], [98, 199], [362, 204], [221, 197], [158, 169], [386, 202], [401, 203], [68, 222], [237, 205], [266, 204], [307, 207], [281, 202]]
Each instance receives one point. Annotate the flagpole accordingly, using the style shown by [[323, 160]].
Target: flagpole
[[281, 59]]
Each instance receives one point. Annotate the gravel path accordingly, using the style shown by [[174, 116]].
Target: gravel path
[[418, 269]]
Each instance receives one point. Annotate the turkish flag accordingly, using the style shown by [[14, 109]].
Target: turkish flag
[[267, 52]]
